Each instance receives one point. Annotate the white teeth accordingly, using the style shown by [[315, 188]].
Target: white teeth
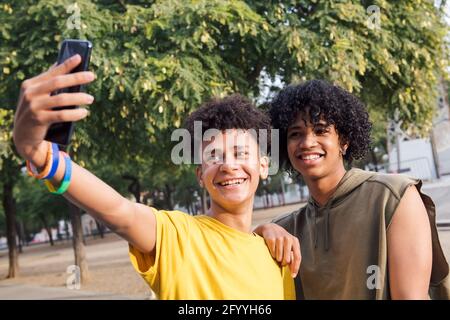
[[311, 157], [232, 182]]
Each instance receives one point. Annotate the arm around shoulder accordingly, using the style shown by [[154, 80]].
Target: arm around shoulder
[[283, 246]]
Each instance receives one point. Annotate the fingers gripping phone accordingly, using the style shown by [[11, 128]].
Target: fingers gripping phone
[[61, 132]]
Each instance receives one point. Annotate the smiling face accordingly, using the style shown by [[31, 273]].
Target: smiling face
[[231, 167], [314, 150]]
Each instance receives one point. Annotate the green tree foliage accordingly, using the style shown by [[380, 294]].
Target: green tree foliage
[[395, 66], [154, 64], [188, 192], [156, 61], [37, 208]]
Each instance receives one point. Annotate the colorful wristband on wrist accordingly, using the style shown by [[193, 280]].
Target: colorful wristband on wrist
[[67, 176], [55, 161], [51, 164]]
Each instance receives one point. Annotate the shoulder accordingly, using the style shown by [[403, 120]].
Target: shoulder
[[394, 184], [288, 220], [409, 207], [174, 218], [391, 190], [172, 214]]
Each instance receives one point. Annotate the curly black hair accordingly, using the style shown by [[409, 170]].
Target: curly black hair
[[320, 100], [232, 112]]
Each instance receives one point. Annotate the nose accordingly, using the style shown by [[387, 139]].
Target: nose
[[229, 164], [308, 141]]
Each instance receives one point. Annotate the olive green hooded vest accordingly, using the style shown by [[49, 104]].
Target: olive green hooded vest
[[343, 243]]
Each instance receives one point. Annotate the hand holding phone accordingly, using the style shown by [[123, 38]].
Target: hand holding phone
[[61, 132]]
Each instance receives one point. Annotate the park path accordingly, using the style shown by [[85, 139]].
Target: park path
[[43, 268], [33, 292]]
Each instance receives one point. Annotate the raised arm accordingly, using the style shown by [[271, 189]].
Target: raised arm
[[136, 223], [409, 248]]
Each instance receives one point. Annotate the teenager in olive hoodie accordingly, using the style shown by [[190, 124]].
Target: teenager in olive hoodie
[[363, 235]]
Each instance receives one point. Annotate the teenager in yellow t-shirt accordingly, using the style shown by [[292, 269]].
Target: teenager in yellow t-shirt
[[215, 256]]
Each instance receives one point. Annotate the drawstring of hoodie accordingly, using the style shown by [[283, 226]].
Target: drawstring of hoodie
[[326, 236], [327, 226], [316, 233], [350, 181]]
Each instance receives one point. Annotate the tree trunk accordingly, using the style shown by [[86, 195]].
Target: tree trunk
[[77, 241], [26, 234], [255, 73], [48, 229], [20, 235], [283, 191], [50, 236], [204, 204], [66, 229], [264, 198], [135, 187], [189, 210], [147, 196], [374, 159], [100, 229], [9, 207], [168, 197]]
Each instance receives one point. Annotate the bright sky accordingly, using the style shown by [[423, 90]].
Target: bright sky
[[447, 11]]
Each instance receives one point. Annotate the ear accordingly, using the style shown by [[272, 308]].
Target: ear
[[199, 174], [264, 167], [344, 146]]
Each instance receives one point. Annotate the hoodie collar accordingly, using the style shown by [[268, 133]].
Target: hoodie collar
[[351, 180]]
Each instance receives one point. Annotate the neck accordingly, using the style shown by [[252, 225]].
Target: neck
[[238, 217], [321, 189]]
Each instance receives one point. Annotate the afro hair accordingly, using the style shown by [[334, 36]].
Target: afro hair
[[232, 112], [319, 100]]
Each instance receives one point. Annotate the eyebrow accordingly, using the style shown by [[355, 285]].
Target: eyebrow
[[295, 127], [320, 124], [236, 147]]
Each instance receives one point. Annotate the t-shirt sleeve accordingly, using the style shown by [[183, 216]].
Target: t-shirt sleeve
[[172, 230], [288, 284]]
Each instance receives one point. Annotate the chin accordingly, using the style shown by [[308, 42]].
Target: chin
[[312, 173], [231, 202]]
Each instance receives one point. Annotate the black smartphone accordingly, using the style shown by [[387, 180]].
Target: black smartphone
[[61, 132]]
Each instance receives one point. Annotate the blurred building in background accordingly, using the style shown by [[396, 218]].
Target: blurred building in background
[[426, 158]]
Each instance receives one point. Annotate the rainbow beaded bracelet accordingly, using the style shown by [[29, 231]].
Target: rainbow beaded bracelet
[[51, 163]]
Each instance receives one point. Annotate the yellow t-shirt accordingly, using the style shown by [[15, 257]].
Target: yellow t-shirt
[[199, 258]]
